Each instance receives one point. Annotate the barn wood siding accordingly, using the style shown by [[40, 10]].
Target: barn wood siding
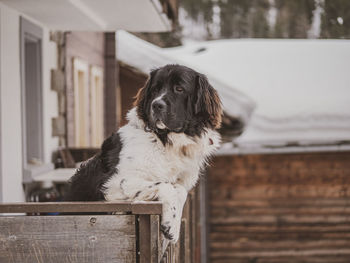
[[280, 208], [130, 82], [68, 239], [111, 84]]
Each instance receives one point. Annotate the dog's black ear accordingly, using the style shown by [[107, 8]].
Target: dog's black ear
[[208, 103], [141, 97]]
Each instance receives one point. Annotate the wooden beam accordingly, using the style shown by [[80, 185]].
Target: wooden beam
[[144, 252], [152, 208]]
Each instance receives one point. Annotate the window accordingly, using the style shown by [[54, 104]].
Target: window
[[31, 92]]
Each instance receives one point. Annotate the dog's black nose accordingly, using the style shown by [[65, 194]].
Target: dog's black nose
[[159, 105]]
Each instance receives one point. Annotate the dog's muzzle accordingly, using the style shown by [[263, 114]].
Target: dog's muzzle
[[159, 106], [159, 109]]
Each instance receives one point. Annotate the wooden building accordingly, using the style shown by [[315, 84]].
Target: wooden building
[[280, 192], [290, 207]]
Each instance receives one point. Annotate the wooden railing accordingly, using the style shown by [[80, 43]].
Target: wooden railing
[[90, 232], [81, 232]]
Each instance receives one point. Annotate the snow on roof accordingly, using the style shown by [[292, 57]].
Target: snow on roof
[[145, 56], [293, 92]]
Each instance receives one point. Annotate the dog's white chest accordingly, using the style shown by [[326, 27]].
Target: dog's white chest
[[145, 157]]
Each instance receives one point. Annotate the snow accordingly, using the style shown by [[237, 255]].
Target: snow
[[286, 91], [145, 56]]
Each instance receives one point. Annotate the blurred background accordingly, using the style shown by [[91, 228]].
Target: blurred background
[[279, 188]]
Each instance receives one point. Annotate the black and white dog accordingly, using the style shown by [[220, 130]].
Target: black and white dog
[[159, 154]]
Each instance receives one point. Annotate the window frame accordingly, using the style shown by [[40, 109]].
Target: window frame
[[32, 32]]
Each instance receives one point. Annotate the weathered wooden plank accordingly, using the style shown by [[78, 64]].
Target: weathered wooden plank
[[155, 239], [280, 218], [165, 245], [275, 210], [83, 207], [294, 169], [322, 259], [282, 202], [279, 235], [281, 228], [182, 254], [305, 174], [56, 239], [343, 252], [186, 217], [281, 259], [144, 238], [146, 208], [245, 244], [284, 190]]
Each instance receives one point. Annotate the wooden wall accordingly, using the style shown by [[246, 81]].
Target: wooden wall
[[280, 208], [88, 46], [111, 84], [130, 82]]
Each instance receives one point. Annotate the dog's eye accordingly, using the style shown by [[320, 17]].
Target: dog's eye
[[179, 89]]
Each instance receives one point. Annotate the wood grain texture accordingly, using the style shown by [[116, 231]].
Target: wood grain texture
[[130, 81], [156, 248], [280, 208], [83, 207], [144, 238], [111, 84], [67, 239]]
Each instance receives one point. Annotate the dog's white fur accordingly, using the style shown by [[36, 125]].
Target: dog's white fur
[[148, 170]]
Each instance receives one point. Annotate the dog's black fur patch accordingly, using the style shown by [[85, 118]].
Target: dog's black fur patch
[[195, 107], [87, 183]]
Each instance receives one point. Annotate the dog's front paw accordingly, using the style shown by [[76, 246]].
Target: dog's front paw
[[166, 231], [169, 231]]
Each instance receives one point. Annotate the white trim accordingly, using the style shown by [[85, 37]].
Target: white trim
[[33, 32]]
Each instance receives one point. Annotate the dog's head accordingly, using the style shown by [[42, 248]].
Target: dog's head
[[178, 99]]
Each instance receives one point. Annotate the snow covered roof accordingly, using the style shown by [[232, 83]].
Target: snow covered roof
[[145, 56], [290, 93]]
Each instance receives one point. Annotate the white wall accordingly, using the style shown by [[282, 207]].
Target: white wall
[[11, 128]]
